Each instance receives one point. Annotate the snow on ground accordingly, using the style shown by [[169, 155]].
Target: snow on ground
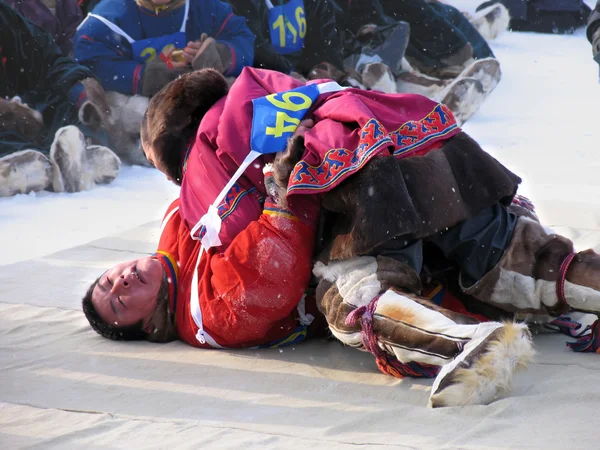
[[541, 121]]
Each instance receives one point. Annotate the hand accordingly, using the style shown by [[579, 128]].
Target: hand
[[157, 74], [303, 127], [169, 58], [192, 47], [283, 165], [212, 55]]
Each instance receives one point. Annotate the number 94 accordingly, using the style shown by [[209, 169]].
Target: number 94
[[283, 122]]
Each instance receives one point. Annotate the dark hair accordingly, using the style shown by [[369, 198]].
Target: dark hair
[[133, 332], [174, 114]]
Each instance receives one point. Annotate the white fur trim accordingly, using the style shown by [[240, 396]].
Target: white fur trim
[[356, 278], [491, 375], [386, 82], [498, 23], [350, 339], [70, 140], [32, 175], [127, 111], [582, 297], [267, 168], [523, 291], [425, 318]]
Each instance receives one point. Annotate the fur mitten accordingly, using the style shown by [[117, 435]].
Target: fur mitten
[[157, 75], [212, 55], [95, 110]]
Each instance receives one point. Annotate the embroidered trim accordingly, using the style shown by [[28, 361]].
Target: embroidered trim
[[297, 336], [340, 162], [186, 156], [235, 194], [170, 265], [277, 212], [414, 134]]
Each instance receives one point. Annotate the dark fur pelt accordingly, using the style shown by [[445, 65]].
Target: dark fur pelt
[[416, 197], [413, 197], [21, 118], [174, 114]]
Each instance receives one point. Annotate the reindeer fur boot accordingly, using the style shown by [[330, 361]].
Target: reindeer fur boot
[[373, 304], [490, 21], [68, 153], [541, 275], [465, 95], [24, 171], [103, 163]]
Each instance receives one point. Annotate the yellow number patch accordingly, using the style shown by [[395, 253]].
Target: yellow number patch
[[286, 102], [280, 125], [281, 24]]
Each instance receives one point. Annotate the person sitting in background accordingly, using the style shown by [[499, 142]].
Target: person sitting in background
[[544, 16], [137, 47], [446, 57], [46, 101], [58, 17], [292, 35], [593, 31]]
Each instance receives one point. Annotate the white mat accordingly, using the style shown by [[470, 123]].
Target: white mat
[[63, 386]]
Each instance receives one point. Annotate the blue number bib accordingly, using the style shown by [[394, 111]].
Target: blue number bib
[[287, 24], [146, 50], [276, 117]]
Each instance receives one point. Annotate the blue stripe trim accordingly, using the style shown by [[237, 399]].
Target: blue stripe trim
[[173, 276]]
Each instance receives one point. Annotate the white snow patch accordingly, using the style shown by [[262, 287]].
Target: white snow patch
[[541, 122]]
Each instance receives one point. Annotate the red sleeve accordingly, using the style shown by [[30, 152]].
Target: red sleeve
[[259, 280]]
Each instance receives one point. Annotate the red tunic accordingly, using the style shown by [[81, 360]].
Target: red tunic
[[249, 293]]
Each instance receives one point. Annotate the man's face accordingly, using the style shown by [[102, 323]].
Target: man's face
[[127, 293], [160, 2]]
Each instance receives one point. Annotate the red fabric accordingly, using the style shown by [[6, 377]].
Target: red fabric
[[344, 121], [249, 292]]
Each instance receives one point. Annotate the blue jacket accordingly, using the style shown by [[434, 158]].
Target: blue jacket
[[110, 55]]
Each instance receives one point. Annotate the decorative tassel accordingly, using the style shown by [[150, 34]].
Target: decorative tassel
[[590, 342], [386, 363], [566, 326]]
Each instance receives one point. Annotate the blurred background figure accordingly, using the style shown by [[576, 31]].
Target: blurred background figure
[[544, 16], [135, 48], [293, 36], [446, 57], [58, 17], [51, 110]]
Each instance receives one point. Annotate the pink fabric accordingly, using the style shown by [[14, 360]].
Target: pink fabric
[[342, 121]]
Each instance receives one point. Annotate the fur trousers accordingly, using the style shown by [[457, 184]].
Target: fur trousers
[[472, 362], [373, 303]]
